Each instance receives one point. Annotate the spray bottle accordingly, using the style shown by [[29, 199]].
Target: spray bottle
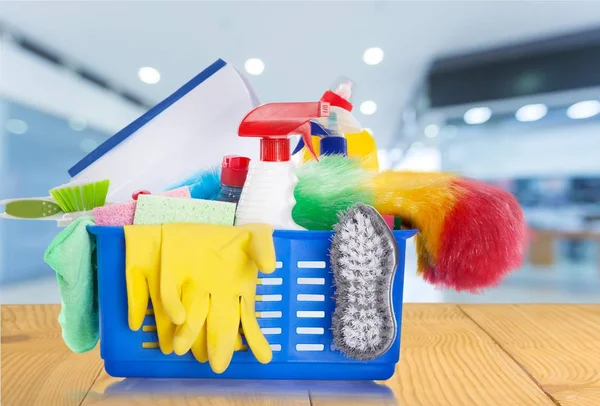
[[360, 142], [339, 99], [268, 194]]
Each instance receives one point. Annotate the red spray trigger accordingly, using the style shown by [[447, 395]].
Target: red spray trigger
[[275, 122]]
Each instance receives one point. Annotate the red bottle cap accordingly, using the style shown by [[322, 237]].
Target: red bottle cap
[[336, 100], [234, 170]]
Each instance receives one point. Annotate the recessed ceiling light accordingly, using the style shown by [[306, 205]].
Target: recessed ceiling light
[[254, 66], [531, 112], [431, 131], [16, 126], [88, 144], [584, 109], [149, 75], [368, 107], [477, 115], [373, 56], [77, 124]]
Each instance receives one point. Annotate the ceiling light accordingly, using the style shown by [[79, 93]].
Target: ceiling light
[[149, 75], [254, 66], [584, 109], [477, 115], [77, 124], [431, 131], [373, 56], [531, 112], [368, 107], [16, 126], [88, 145]]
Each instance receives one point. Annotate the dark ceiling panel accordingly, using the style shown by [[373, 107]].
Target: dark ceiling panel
[[558, 64]]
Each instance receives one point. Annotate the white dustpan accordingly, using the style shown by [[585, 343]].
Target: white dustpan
[[191, 129]]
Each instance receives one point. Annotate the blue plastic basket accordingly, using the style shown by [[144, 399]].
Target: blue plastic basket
[[294, 313]]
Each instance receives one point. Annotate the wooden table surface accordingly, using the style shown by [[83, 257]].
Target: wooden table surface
[[480, 355]]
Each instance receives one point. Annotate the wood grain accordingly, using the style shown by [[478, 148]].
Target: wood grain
[[37, 368], [559, 345], [451, 355], [447, 359]]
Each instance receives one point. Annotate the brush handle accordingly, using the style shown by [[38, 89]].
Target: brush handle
[[33, 209]]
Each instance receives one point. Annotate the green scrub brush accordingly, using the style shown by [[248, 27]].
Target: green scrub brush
[[318, 203], [69, 198], [82, 197]]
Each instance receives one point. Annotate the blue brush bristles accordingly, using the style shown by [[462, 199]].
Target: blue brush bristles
[[205, 184]]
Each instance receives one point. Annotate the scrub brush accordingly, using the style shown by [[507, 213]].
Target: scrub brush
[[72, 199], [364, 256], [81, 197]]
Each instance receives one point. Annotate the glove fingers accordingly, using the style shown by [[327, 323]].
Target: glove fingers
[[170, 294], [238, 342], [137, 297], [165, 329], [255, 338], [261, 249], [199, 347], [223, 329], [142, 246], [196, 307]]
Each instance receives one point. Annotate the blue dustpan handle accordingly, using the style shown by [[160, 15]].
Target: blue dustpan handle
[[315, 129]]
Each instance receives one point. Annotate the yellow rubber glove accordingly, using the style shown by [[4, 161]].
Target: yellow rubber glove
[[209, 274], [142, 272]]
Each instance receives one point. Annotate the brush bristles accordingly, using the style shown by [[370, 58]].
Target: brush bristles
[[83, 197], [363, 259]]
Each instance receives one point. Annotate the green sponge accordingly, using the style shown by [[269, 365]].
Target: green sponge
[[328, 187], [153, 209]]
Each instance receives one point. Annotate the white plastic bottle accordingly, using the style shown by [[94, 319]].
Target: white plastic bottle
[[268, 194]]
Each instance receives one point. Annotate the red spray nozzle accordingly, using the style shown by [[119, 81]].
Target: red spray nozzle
[[275, 122]]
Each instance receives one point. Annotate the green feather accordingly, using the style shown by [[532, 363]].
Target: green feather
[[328, 187]]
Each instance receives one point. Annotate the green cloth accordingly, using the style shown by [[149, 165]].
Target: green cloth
[[71, 255]]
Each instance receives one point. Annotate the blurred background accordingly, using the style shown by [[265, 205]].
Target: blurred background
[[505, 92]]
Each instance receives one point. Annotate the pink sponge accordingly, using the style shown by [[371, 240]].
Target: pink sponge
[[121, 214]]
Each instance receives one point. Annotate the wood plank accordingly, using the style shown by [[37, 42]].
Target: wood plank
[[37, 367], [109, 391], [447, 359], [557, 344]]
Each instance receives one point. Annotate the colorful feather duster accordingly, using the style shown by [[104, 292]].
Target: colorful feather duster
[[327, 188], [471, 234], [204, 184]]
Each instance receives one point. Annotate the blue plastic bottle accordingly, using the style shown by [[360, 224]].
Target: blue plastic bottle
[[234, 170]]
